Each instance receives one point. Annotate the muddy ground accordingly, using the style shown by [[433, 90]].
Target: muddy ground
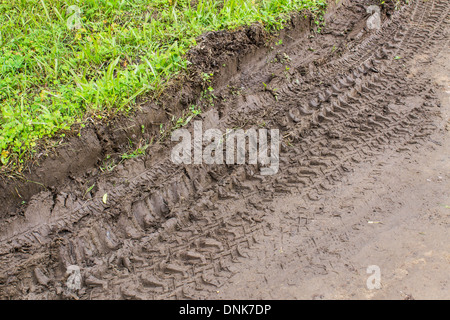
[[364, 178]]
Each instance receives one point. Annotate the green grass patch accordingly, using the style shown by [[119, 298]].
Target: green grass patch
[[61, 61]]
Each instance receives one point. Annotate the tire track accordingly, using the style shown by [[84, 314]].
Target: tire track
[[174, 232]]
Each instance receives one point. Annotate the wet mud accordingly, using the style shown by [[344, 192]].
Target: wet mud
[[353, 106]]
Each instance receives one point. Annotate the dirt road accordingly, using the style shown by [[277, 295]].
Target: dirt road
[[364, 181]]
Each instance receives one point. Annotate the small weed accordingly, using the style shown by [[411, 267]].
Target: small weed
[[180, 122], [140, 150], [108, 164], [89, 190]]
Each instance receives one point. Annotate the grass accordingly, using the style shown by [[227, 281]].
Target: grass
[[64, 61]]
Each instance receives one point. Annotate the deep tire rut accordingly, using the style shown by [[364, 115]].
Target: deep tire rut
[[177, 232]]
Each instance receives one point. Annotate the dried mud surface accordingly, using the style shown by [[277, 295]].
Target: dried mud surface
[[364, 117]]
